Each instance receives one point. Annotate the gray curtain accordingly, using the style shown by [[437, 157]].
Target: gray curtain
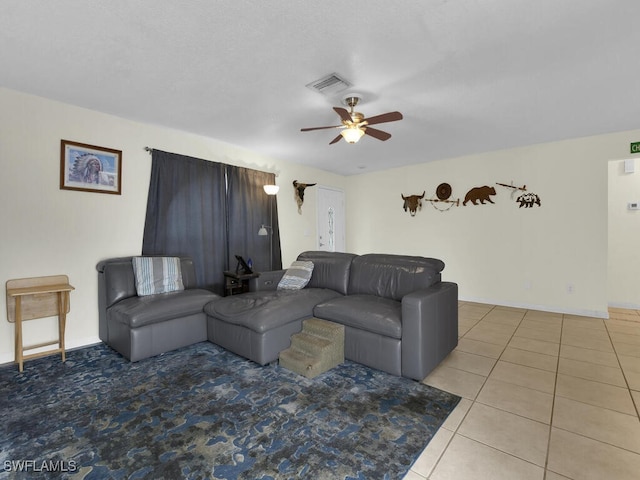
[[250, 208], [196, 208]]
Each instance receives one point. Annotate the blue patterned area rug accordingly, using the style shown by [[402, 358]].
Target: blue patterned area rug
[[202, 412]]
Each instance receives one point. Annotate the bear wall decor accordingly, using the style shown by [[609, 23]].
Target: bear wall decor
[[528, 200], [481, 194]]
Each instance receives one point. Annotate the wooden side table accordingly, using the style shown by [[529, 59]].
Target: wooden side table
[[38, 297], [237, 282]]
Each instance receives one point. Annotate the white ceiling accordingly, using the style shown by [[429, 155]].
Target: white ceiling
[[469, 76]]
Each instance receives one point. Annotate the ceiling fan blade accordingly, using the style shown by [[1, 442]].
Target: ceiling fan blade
[[335, 140], [344, 114], [375, 133], [385, 117], [320, 128]]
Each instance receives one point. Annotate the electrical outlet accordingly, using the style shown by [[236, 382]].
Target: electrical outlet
[[527, 285], [571, 288]]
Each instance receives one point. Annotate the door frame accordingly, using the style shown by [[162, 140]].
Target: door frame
[[340, 225]]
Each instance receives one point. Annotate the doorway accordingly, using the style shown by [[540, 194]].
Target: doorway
[[331, 220], [623, 222]]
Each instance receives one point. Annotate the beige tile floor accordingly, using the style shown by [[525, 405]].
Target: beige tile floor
[[545, 396]]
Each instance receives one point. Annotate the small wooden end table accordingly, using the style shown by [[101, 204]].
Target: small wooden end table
[[38, 297], [237, 282]]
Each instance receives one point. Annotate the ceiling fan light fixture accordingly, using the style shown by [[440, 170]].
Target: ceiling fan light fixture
[[352, 134], [355, 124]]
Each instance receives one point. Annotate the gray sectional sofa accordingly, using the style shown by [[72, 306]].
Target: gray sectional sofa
[[399, 316], [141, 327]]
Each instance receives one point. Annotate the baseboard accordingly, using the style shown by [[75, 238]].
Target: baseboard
[[542, 308], [8, 358], [625, 305]]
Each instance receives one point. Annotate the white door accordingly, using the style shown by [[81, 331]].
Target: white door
[[331, 220]]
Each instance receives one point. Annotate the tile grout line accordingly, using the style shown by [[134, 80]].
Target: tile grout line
[[473, 402], [455, 432], [484, 383], [624, 375], [448, 442], [578, 401], [435, 465], [604, 442], [563, 322], [546, 461], [553, 403]]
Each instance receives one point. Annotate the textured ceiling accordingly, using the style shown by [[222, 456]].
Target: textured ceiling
[[469, 76]]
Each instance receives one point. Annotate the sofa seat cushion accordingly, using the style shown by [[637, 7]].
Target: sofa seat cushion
[[366, 312], [266, 310], [140, 311]]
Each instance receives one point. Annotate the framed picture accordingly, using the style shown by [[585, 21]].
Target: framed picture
[[89, 168]]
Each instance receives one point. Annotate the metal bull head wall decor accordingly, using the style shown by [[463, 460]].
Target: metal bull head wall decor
[[298, 191], [413, 203]]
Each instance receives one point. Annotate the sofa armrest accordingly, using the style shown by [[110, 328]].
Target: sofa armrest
[[429, 328], [266, 281]]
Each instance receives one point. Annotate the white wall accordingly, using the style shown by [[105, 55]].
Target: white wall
[[48, 231], [624, 235], [502, 253], [496, 253]]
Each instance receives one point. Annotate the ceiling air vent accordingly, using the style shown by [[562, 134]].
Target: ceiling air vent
[[330, 84]]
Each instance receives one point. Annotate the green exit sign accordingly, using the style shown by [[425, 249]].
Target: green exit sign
[[635, 147]]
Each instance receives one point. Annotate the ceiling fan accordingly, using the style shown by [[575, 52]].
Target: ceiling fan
[[355, 125]]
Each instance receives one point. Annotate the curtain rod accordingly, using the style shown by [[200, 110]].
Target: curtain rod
[[150, 150]]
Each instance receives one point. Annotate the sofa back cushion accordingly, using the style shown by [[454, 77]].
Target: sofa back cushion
[[116, 280], [330, 269], [297, 276], [392, 276], [157, 275]]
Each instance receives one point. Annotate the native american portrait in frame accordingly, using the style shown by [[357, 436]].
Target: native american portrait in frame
[[90, 168]]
